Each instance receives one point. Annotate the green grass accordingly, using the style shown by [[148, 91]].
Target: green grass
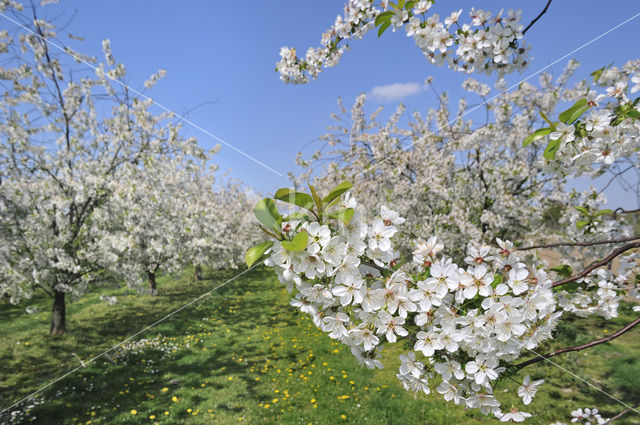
[[243, 355]]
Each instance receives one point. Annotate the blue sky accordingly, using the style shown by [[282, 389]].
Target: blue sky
[[225, 52]]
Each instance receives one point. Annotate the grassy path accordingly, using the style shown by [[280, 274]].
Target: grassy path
[[242, 355]]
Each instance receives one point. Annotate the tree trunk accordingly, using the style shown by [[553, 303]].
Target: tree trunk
[[198, 272], [152, 282], [59, 315]]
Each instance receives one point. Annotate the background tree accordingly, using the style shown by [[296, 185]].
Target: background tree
[[70, 139]]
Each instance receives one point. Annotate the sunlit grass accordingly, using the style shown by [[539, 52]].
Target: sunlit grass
[[243, 355]]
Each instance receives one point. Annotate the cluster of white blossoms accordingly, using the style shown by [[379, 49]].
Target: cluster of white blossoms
[[585, 416], [466, 323], [485, 44], [610, 129], [358, 19]]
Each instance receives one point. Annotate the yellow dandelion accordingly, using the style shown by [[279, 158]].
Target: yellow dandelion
[[343, 416], [134, 412], [164, 390]]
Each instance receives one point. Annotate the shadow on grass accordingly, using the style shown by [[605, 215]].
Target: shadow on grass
[[93, 330]]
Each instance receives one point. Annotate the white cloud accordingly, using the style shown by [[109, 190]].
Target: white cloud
[[395, 91]]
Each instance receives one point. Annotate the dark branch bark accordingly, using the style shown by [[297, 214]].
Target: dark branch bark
[[597, 264], [623, 211], [621, 414], [581, 347], [59, 315], [602, 242], [537, 17], [374, 266]]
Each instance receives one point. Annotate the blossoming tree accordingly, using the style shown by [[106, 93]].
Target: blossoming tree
[[477, 311], [81, 156]]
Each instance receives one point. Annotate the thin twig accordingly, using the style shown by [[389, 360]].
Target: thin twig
[[619, 415], [597, 264], [373, 266], [583, 346], [601, 242], [623, 211], [537, 17]]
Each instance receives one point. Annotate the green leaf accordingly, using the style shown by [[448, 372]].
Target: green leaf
[[580, 224], [633, 114], [604, 212], [383, 28], [569, 113], [596, 74], [544, 117], [344, 215], [409, 5], [300, 199], [298, 243], [583, 210], [254, 253], [267, 214], [563, 270], [295, 217], [577, 114], [384, 17], [497, 280], [336, 192], [538, 134], [316, 198], [552, 149]]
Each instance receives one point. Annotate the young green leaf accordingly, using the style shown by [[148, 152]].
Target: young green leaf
[[344, 215], [583, 210], [295, 217], [538, 134], [316, 198], [544, 117], [298, 243], [577, 114], [300, 199], [604, 212], [267, 213], [552, 149], [579, 105], [383, 28], [254, 253], [336, 192], [563, 270], [383, 17]]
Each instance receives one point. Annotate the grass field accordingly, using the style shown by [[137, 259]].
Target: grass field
[[243, 355]]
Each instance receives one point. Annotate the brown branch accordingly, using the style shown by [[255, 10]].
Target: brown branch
[[623, 211], [597, 264], [374, 266], [537, 17], [601, 242], [581, 347], [621, 414]]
